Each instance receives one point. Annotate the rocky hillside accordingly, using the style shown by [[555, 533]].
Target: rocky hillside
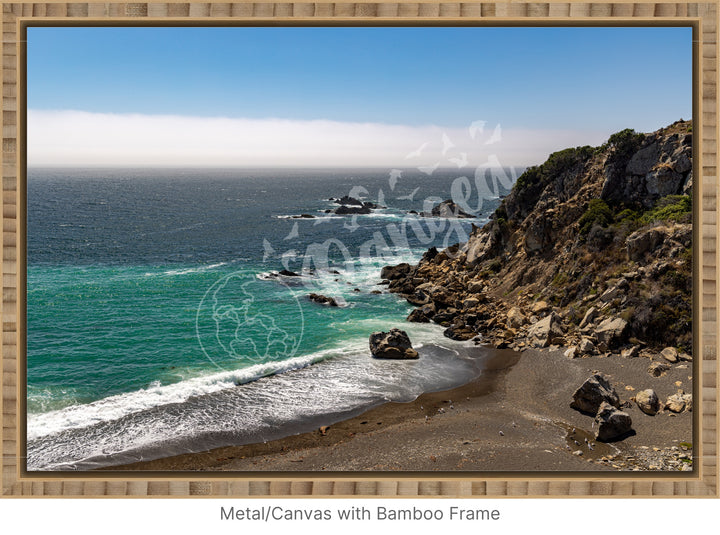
[[591, 250]]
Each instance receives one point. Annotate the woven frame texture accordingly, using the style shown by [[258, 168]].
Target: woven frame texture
[[701, 482]]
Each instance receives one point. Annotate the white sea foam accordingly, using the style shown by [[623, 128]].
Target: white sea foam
[[186, 271], [318, 216], [115, 407], [208, 412]]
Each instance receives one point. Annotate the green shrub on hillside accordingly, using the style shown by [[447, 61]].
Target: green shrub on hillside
[[670, 208], [556, 164], [627, 215], [626, 141], [598, 212]]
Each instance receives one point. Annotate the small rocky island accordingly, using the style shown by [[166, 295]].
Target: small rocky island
[[351, 205], [447, 209]]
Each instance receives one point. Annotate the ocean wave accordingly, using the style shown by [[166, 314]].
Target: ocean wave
[[304, 398], [186, 271], [115, 407], [157, 395], [343, 279]]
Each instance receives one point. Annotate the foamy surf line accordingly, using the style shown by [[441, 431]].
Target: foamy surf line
[[115, 407], [270, 408], [118, 406]]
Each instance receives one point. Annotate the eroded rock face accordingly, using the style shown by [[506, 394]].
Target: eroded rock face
[[643, 241], [394, 344], [661, 166], [611, 423], [480, 247], [593, 393], [589, 317], [531, 251]]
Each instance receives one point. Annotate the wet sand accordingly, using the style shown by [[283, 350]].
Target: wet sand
[[515, 417]]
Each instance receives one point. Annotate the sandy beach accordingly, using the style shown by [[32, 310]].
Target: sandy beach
[[515, 417]]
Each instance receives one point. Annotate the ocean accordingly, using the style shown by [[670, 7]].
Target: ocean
[[157, 323]]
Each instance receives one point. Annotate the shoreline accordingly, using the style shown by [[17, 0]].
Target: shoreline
[[515, 416]]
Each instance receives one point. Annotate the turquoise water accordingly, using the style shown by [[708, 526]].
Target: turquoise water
[[155, 325]]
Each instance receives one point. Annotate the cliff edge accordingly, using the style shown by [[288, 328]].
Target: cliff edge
[[591, 250]]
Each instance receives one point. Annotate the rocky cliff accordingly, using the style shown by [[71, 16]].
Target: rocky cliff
[[590, 250]]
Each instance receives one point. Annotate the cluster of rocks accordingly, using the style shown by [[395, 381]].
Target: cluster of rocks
[[351, 205], [671, 459], [598, 398]]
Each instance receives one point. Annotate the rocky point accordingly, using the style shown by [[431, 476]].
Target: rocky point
[[590, 250]]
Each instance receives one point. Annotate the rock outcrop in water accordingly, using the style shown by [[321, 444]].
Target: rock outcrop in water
[[392, 345], [323, 299], [447, 209], [591, 250], [351, 205]]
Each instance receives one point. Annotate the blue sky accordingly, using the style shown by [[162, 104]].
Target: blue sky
[[570, 83]]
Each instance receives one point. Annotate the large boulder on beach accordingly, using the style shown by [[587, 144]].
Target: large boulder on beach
[[546, 331], [394, 344], [670, 354], [648, 402], [611, 331], [593, 393], [611, 423]]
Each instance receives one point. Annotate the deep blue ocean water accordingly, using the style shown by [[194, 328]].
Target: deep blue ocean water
[[155, 325]]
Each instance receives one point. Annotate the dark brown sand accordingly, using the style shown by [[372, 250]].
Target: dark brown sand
[[515, 417]]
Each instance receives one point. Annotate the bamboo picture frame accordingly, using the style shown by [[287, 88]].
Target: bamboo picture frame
[[701, 482]]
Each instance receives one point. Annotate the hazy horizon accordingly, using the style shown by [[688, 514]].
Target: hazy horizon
[[426, 97]]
